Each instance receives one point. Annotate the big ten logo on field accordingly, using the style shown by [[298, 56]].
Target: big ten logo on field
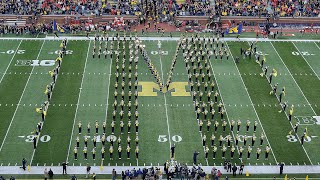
[[152, 89], [151, 52], [35, 63]]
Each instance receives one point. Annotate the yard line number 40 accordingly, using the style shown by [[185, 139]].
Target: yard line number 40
[[303, 53]]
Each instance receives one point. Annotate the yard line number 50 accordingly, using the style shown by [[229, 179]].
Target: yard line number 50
[[174, 138]]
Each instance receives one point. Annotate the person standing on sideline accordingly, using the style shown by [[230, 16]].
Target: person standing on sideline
[[114, 174], [234, 170], [24, 162], [281, 168], [241, 169], [50, 174], [64, 167], [195, 154], [88, 170], [46, 174]]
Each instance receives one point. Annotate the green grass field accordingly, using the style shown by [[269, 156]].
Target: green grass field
[[85, 87]]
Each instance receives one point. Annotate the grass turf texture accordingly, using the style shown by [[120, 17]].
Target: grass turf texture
[[152, 111]]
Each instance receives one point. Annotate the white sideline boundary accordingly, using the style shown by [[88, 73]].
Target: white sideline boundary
[[51, 38], [108, 169]]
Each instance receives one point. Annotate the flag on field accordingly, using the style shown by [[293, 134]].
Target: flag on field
[[307, 177], [235, 30], [286, 177], [57, 27]]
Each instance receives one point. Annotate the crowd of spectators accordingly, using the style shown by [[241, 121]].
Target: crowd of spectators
[[289, 8], [47, 28], [18, 7], [178, 172], [309, 8], [164, 9]]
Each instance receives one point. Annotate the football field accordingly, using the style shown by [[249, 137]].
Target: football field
[[84, 92]]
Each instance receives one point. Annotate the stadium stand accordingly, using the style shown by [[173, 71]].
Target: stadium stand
[[20, 7]]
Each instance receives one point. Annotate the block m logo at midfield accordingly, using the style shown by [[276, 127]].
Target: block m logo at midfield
[[151, 89]]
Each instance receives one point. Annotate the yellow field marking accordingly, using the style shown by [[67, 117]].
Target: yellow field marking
[[151, 89], [147, 89]]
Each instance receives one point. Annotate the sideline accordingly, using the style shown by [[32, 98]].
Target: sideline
[[108, 169], [162, 38]]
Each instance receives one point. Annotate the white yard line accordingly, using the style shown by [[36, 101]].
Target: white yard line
[[165, 102], [293, 78], [106, 115], [214, 76], [316, 45], [76, 113], [301, 93], [10, 62], [34, 151], [81, 170], [306, 60], [25, 87], [244, 86]]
